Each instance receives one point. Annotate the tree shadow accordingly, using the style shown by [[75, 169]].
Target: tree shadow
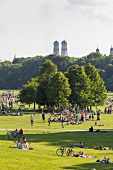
[[89, 166], [70, 138]]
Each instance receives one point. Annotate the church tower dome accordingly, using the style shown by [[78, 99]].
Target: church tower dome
[[64, 48], [97, 50], [111, 50], [56, 47]]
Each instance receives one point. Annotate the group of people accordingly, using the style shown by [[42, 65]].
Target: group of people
[[109, 110], [82, 154], [23, 144], [14, 134]]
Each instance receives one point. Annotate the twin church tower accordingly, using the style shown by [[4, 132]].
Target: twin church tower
[[63, 48]]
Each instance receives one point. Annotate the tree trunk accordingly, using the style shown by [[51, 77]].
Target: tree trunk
[[34, 105]]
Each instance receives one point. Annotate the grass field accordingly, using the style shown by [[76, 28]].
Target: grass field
[[46, 140]]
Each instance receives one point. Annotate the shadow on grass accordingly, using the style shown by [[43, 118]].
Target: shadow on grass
[[89, 166], [70, 138]]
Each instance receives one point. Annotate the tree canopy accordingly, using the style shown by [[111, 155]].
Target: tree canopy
[[58, 90], [79, 84], [28, 92], [18, 72], [98, 90]]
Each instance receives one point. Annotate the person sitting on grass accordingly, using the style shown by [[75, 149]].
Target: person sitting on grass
[[24, 142], [91, 129], [21, 131], [21, 145], [81, 145]]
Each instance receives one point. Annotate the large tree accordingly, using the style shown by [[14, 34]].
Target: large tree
[[79, 84], [47, 70], [28, 92], [98, 90], [58, 90]]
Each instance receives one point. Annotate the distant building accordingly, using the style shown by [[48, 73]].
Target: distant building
[[111, 50], [56, 47], [97, 50], [64, 51], [14, 56], [64, 48]]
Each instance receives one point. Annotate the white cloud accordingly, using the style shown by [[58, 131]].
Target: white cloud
[[29, 27], [86, 2], [93, 10]]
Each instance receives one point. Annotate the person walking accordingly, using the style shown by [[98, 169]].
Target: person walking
[[49, 121], [62, 120], [32, 120], [98, 115], [43, 116]]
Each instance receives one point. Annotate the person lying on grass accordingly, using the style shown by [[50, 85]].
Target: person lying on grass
[[101, 147], [104, 160], [96, 124], [82, 154]]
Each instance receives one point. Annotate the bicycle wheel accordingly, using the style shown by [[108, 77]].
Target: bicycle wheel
[[69, 152], [59, 152]]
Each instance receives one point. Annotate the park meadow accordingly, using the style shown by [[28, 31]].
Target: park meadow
[[45, 140]]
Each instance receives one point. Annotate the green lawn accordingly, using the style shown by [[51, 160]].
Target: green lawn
[[46, 140]]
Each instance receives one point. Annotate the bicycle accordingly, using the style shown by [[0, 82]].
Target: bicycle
[[61, 151], [70, 152]]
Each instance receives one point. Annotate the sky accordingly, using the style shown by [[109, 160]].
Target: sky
[[29, 27]]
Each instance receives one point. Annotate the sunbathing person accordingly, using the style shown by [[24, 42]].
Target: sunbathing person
[[101, 147], [82, 154], [96, 124], [104, 160]]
